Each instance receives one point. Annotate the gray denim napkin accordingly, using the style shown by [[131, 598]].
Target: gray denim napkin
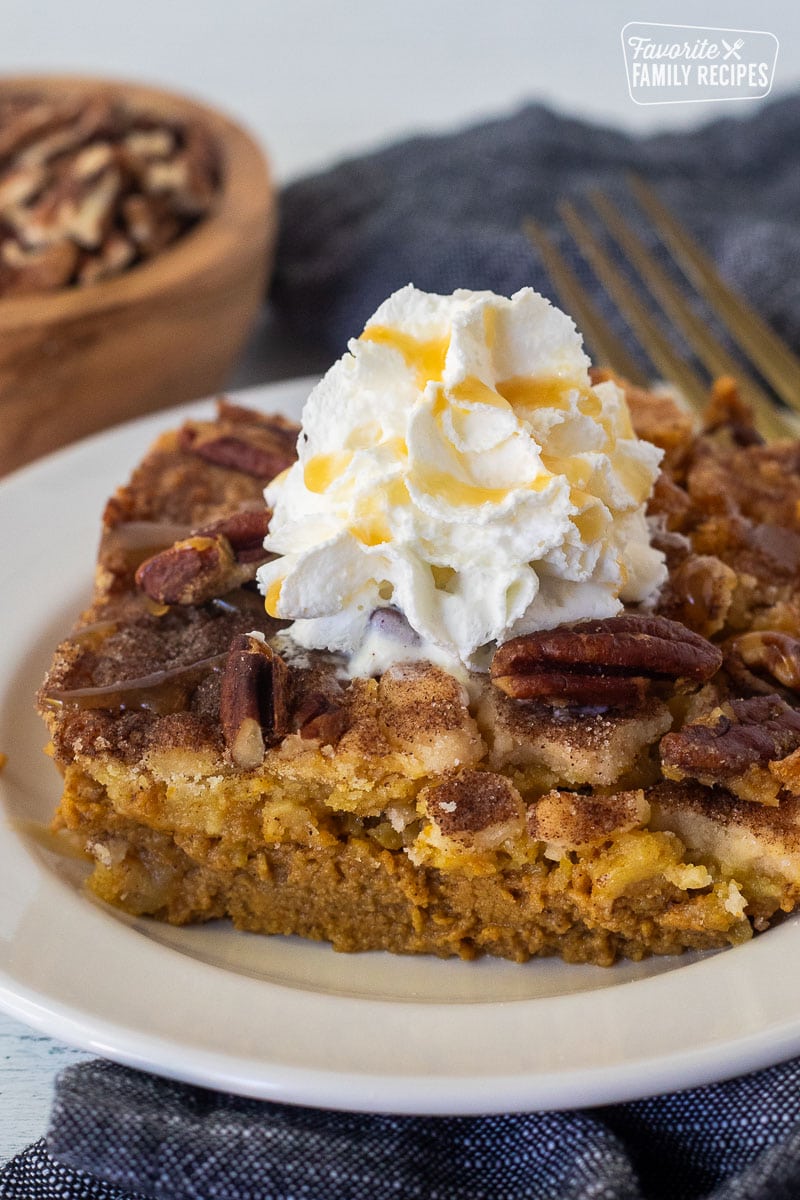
[[445, 212], [118, 1134]]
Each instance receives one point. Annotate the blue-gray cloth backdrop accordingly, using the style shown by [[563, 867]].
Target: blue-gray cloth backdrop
[[446, 212]]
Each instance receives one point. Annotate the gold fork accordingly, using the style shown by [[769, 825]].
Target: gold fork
[[770, 357]]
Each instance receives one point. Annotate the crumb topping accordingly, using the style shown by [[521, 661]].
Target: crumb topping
[[472, 802]]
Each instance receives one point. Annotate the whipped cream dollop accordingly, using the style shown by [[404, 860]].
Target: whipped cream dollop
[[457, 465]]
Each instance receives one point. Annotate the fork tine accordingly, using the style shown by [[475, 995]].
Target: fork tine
[[776, 362], [606, 346], [714, 356], [628, 301]]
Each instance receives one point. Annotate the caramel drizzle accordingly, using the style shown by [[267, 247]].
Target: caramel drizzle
[[94, 633], [160, 692], [137, 540], [146, 535]]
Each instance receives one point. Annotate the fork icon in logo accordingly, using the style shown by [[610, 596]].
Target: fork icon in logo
[[732, 49]]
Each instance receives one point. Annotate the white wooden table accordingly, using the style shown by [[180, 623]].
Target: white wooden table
[[29, 1062]]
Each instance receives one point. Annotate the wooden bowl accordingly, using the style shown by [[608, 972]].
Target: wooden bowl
[[167, 330]]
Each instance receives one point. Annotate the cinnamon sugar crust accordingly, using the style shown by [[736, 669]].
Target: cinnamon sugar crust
[[473, 802], [569, 820], [411, 813]]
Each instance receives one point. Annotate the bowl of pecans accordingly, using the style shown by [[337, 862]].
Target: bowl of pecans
[[136, 232]]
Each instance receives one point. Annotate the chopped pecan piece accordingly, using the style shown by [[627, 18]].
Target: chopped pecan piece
[[115, 254], [239, 455], [245, 530], [25, 272], [79, 210], [92, 159], [149, 224], [30, 120], [189, 572], [144, 144], [87, 120], [320, 716], [90, 176], [732, 740], [699, 593], [254, 700], [212, 561], [189, 177], [20, 185], [764, 659], [611, 661]]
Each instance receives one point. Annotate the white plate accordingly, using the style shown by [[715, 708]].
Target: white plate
[[289, 1020]]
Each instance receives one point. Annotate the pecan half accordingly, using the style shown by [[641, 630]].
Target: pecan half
[[210, 562], [671, 502], [20, 185], [611, 661], [249, 455], [30, 118], [24, 272], [254, 700], [733, 738], [727, 412], [764, 660], [87, 120], [245, 531], [145, 144]]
